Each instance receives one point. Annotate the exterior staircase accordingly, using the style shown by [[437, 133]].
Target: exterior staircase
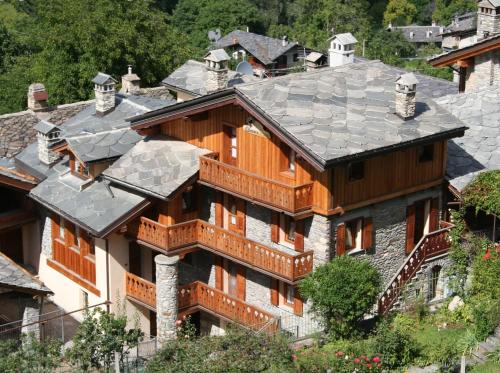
[[431, 245], [484, 348]]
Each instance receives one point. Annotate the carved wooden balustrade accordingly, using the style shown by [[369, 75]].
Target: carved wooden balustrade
[[71, 258], [140, 289], [221, 241], [254, 187], [199, 295], [432, 244]]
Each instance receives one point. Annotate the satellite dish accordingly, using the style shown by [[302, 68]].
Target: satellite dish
[[214, 36], [244, 68]]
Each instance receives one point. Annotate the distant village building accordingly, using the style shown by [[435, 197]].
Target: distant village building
[[420, 35], [477, 63], [457, 34], [267, 55]]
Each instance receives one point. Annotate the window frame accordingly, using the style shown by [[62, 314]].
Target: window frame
[[358, 238], [353, 177], [425, 153]]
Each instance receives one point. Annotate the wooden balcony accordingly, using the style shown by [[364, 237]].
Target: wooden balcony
[[431, 245], [141, 290], [199, 295], [270, 261], [13, 218], [293, 199]]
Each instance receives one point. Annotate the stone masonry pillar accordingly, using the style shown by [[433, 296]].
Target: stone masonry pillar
[[166, 296]]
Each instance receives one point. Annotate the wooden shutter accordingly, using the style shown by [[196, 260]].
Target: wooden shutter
[[275, 227], [241, 282], [434, 215], [240, 215], [84, 242], [218, 272], [274, 292], [298, 304], [367, 239], [218, 209], [410, 228], [341, 239], [55, 226], [69, 234], [299, 236]]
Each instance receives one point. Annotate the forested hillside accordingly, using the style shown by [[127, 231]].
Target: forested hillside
[[62, 43]]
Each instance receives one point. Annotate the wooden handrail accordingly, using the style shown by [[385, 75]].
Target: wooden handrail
[[140, 289], [255, 187], [199, 294], [198, 232], [430, 245]]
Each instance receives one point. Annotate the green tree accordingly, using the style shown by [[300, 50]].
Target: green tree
[[239, 351], [99, 336], [197, 17], [341, 292], [389, 47], [399, 12], [445, 10]]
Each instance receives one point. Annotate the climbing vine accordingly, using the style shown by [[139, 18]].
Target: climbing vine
[[484, 193]]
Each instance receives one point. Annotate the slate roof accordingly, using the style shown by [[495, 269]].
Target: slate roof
[[264, 48], [479, 149], [217, 55], [104, 145], [418, 34], [157, 166], [192, 78], [464, 23], [493, 40], [340, 113], [314, 56], [14, 276], [97, 207], [495, 3]]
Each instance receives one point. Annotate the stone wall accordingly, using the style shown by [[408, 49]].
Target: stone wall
[[488, 23], [166, 294], [46, 231], [486, 71]]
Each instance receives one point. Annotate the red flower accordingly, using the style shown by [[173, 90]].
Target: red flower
[[294, 357], [357, 361], [487, 256], [339, 353], [369, 366], [376, 359]]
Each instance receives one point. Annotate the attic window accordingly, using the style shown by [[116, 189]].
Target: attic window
[[356, 171], [426, 153]]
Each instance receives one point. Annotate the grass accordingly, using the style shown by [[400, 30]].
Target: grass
[[488, 367]]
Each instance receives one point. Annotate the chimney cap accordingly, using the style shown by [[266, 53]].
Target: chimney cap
[[131, 77], [217, 55], [45, 127], [102, 79], [344, 39], [408, 79]]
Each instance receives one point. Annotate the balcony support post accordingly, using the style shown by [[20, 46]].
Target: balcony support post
[[166, 295]]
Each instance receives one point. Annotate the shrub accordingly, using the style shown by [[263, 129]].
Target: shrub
[[237, 351], [320, 361], [396, 346], [342, 292], [486, 313]]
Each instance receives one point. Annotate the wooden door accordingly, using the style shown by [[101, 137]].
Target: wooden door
[[230, 145], [234, 214], [134, 259], [152, 323], [234, 279], [420, 221]]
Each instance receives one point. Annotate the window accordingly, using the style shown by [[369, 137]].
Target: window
[[61, 228], [84, 299], [288, 159], [426, 153], [295, 57], [289, 229], [78, 237], [189, 200], [233, 218], [234, 143], [353, 234], [286, 295], [356, 171]]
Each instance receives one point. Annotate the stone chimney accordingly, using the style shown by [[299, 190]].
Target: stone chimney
[[406, 89], [37, 97], [47, 135], [216, 64], [342, 49], [104, 87], [488, 19], [131, 83]]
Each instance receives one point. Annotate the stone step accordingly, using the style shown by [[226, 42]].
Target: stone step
[[493, 340], [485, 347]]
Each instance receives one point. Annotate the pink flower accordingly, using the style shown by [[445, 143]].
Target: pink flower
[[376, 359], [339, 353], [357, 361], [369, 366]]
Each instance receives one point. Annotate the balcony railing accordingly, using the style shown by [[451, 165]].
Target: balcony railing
[[140, 289], [200, 295], [254, 187], [431, 245], [221, 241], [71, 259]]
